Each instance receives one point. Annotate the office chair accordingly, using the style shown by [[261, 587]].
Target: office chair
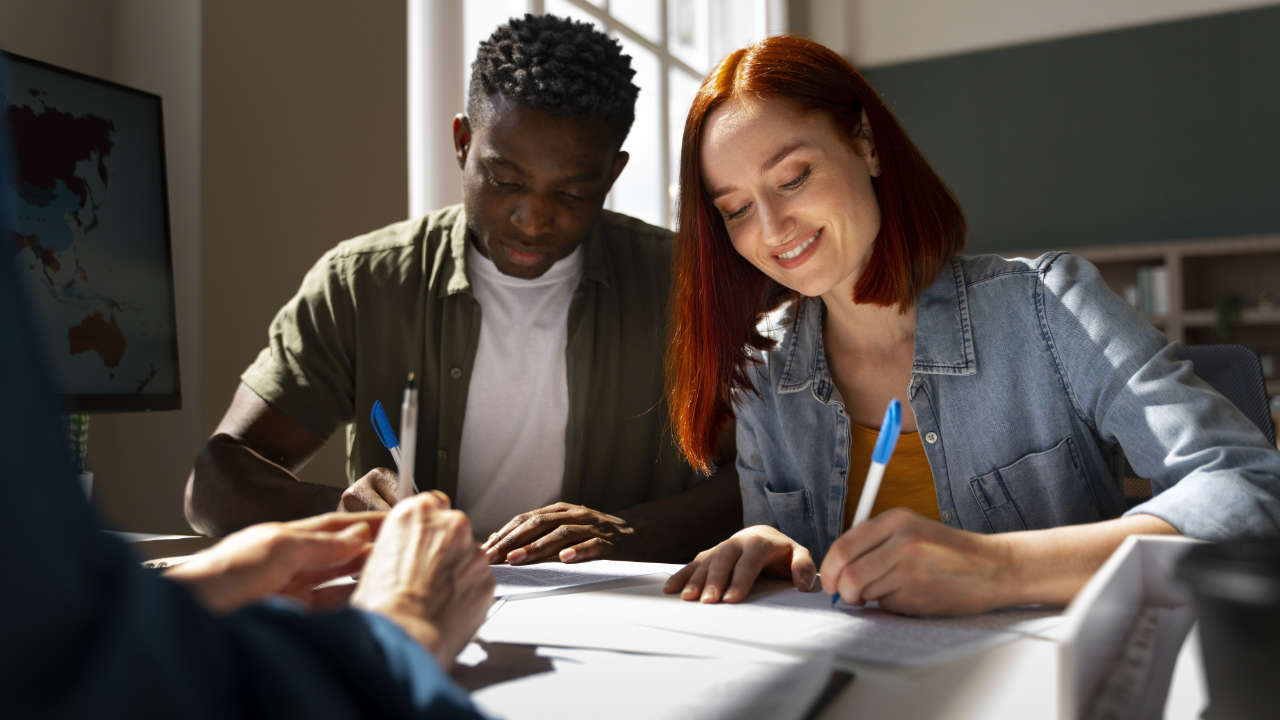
[[1234, 371]]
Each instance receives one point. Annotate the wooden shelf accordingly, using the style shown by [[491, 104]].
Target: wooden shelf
[[1160, 251], [1209, 318]]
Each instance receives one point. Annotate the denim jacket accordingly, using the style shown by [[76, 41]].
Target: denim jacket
[[1027, 375]]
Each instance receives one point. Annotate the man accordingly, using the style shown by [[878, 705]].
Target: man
[[88, 632], [533, 320]]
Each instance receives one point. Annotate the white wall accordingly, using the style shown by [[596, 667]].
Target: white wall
[[140, 460], [303, 145], [879, 32]]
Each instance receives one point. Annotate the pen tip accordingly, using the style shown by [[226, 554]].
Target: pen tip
[[410, 383]]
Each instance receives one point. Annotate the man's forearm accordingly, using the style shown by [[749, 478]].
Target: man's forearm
[[676, 528], [231, 487]]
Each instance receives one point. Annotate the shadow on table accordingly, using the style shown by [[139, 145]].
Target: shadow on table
[[505, 662], [836, 684]]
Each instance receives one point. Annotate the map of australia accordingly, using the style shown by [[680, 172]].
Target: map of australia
[[57, 200], [90, 234]]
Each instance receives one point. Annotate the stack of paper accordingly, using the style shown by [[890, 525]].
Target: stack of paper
[[582, 640], [639, 617]]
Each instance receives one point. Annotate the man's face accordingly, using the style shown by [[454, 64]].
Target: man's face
[[532, 183]]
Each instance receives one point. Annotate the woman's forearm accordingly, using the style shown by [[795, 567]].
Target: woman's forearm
[[1050, 566]]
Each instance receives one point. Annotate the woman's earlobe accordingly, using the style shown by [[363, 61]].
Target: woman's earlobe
[[864, 138]]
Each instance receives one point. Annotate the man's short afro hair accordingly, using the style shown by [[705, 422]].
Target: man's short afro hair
[[557, 65]]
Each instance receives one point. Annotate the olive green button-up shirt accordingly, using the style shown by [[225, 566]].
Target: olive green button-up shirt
[[378, 306]]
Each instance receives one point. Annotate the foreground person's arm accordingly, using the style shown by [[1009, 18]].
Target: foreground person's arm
[[88, 632]]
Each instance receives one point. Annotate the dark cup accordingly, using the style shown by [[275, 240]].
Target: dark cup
[[1235, 589]]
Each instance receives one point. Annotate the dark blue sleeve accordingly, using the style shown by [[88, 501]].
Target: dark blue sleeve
[[87, 632]]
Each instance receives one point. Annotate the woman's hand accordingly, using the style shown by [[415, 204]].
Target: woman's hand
[[280, 559], [917, 566], [728, 570]]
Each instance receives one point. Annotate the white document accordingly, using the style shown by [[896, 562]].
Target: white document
[[640, 618], [549, 576], [579, 620], [572, 683]]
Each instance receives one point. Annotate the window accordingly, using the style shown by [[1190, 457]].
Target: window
[[673, 44]]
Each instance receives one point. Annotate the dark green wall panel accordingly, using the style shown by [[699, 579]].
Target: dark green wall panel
[[1159, 132]]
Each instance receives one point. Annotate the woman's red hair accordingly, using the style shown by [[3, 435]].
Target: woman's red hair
[[718, 297]]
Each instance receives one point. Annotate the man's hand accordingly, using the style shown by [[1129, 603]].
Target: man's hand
[[917, 566], [280, 559], [427, 575], [572, 533], [377, 490], [728, 570]]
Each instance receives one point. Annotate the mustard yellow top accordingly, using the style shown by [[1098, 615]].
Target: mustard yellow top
[[907, 482]]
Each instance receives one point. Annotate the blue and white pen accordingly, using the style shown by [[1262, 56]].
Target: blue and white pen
[[387, 436], [409, 429], [886, 441]]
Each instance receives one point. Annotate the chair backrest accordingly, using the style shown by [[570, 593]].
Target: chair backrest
[[1234, 371]]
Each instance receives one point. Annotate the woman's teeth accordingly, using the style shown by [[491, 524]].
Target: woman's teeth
[[795, 252]]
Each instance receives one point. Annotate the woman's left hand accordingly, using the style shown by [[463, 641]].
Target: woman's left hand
[[917, 566]]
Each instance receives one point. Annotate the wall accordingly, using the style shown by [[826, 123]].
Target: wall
[[140, 460], [1159, 132], [879, 32], [303, 145]]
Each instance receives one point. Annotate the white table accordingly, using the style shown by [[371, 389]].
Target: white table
[[1029, 676]]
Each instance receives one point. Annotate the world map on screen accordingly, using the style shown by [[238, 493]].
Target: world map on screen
[[89, 233]]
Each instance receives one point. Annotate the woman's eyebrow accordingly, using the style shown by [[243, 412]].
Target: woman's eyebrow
[[782, 154], [767, 165]]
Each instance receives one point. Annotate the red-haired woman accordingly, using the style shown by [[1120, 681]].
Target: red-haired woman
[[818, 278]]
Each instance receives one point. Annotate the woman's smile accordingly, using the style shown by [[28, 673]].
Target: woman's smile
[[799, 251]]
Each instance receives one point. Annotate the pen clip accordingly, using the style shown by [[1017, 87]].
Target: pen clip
[[382, 426]]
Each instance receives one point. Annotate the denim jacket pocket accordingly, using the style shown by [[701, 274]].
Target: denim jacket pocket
[[793, 514], [1038, 490], [996, 503]]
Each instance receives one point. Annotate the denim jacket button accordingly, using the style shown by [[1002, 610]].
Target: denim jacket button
[[946, 516], [931, 437]]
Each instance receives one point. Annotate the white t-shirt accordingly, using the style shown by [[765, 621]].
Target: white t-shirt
[[512, 455]]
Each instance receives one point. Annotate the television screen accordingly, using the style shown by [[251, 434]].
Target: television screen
[[90, 234]]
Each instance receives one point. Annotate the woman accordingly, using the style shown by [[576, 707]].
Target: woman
[[817, 279]]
